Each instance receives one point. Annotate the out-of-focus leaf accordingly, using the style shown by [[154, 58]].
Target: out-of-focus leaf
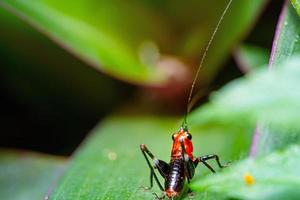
[[25, 176], [275, 176], [285, 44], [84, 28], [54, 92], [270, 139], [235, 26], [251, 57], [296, 4], [111, 34], [110, 165], [287, 36], [270, 97], [45, 72]]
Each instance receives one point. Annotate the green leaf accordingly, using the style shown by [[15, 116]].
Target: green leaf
[[250, 57], [46, 77], [275, 176], [110, 165], [286, 44], [269, 97], [296, 4], [90, 36], [271, 139], [25, 176], [233, 29], [287, 37], [112, 36]]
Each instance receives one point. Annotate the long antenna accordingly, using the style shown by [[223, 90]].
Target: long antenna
[[184, 123]]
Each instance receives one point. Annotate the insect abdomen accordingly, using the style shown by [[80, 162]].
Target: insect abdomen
[[175, 179]]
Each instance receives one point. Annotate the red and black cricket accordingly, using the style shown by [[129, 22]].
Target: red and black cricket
[[182, 163], [181, 166]]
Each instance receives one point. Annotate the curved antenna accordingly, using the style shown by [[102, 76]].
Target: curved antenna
[[184, 123]]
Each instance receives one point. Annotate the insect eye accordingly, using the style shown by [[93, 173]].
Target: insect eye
[[189, 136], [173, 137]]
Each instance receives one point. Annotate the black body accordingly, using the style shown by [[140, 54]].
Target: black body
[[176, 176], [175, 173]]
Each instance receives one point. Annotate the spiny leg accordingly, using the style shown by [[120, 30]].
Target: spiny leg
[[152, 172], [213, 156], [162, 166], [189, 167], [208, 166], [203, 159]]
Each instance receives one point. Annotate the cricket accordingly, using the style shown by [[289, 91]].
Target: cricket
[[182, 164]]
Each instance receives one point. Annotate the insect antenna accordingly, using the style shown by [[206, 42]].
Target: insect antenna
[[188, 107]]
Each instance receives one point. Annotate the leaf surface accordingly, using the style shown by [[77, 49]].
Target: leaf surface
[[296, 4], [285, 45], [270, 97], [110, 165], [26, 176], [250, 57], [86, 32], [287, 36], [275, 176]]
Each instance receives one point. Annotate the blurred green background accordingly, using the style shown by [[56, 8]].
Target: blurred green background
[[87, 82], [50, 97]]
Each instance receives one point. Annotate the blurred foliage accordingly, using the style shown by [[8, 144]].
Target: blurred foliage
[[153, 44], [51, 91], [26, 175], [271, 100], [57, 73], [287, 35], [54, 93], [296, 4], [275, 176], [250, 57], [268, 97], [91, 30]]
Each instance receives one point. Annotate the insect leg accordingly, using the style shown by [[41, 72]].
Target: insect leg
[[203, 159], [158, 197], [208, 166], [189, 167], [213, 156], [162, 166]]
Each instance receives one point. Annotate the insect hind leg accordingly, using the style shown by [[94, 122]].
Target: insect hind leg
[[162, 167]]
